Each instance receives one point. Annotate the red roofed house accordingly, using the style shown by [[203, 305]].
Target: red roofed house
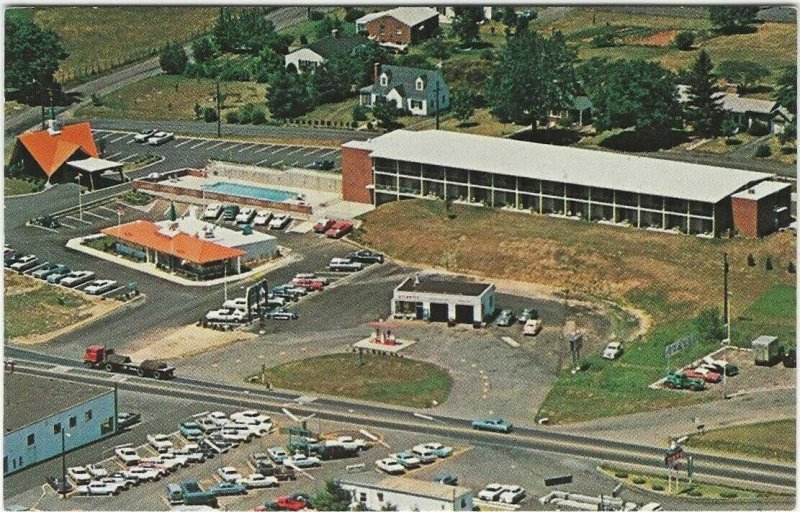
[[44, 154]]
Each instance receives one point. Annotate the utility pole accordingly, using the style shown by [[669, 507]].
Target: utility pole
[[63, 485], [725, 269], [437, 104], [219, 112]]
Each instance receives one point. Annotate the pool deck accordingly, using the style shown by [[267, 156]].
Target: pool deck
[[312, 198]]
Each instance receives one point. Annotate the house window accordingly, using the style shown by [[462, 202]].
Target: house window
[[362, 497], [399, 32], [57, 428], [420, 84], [416, 104], [383, 29], [380, 497], [87, 416], [73, 421], [463, 503], [31, 439], [384, 80]]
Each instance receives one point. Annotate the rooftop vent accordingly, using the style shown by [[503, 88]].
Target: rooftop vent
[[52, 127]]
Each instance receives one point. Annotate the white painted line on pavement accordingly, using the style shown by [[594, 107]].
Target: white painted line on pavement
[[120, 138], [107, 209], [45, 228], [114, 155], [198, 145], [301, 148], [230, 148], [130, 141], [65, 224], [184, 142], [262, 161], [510, 341], [247, 147], [373, 437], [95, 215], [118, 288], [279, 162], [129, 157], [217, 144], [280, 148], [264, 148], [329, 153], [77, 219], [424, 417]]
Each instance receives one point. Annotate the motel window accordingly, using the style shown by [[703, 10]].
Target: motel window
[[380, 497], [73, 421], [362, 497], [31, 439], [57, 428], [87, 416]]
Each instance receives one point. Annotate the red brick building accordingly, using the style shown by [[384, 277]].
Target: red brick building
[[400, 26], [761, 209]]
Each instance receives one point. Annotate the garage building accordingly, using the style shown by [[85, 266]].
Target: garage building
[[440, 299], [380, 492]]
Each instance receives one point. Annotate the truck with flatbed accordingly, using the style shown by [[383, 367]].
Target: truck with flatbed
[[104, 358]]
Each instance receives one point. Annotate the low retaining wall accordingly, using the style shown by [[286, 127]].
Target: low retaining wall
[[170, 188], [294, 178]]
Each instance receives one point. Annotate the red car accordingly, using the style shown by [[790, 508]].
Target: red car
[[703, 374], [323, 225], [314, 285], [288, 503], [339, 229]]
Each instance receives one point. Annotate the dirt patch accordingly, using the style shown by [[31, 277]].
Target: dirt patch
[[86, 314], [752, 377], [184, 342], [660, 39]]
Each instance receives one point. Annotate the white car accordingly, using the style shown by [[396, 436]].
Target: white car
[[145, 134], [174, 458], [491, 492], [244, 432], [301, 461], [352, 443], [425, 455], [262, 217], [513, 494], [245, 215], [229, 474], [24, 263], [279, 221], [256, 427], [613, 350], [212, 211], [225, 315], [532, 327], [251, 414], [218, 418], [439, 449], [160, 442], [239, 303], [79, 475], [128, 456], [159, 138], [98, 489], [143, 474], [74, 279], [391, 466], [258, 481], [96, 470], [120, 482], [192, 452], [100, 286], [407, 459]]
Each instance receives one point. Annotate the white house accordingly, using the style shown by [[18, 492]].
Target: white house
[[375, 492], [412, 89], [318, 52]]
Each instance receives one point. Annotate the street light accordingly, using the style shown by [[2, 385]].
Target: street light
[[63, 486], [80, 198], [727, 343]]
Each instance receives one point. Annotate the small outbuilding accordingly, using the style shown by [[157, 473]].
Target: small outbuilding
[[443, 299], [380, 492], [766, 350]]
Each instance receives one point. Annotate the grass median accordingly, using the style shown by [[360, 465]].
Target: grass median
[[769, 440], [386, 379]]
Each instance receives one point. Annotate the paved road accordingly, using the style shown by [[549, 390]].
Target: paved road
[[402, 419]]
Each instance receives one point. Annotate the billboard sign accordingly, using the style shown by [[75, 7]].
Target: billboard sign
[[257, 298]]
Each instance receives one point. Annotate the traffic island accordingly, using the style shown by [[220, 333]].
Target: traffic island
[[383, 339]]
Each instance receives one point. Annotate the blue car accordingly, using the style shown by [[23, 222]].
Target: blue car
[[191, 430], [493, 424], [58, 274], [446, 479], [227, 489]]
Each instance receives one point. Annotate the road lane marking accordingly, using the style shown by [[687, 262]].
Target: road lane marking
[[95, 215], [45, 228], [65, 224], [262, 161], [107, 209], [198, 145], [329, 153], [77, 219]]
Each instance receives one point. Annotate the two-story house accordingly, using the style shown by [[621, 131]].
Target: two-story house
[[413, 90]]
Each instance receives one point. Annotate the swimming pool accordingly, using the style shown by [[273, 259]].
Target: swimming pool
[[234, 189]]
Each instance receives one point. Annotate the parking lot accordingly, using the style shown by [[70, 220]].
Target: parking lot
[[195, 152]]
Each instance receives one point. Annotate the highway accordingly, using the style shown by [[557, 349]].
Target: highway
[[403, 419]]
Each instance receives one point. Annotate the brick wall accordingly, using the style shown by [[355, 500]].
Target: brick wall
[[394, 31], [745, 216], [356, 175]]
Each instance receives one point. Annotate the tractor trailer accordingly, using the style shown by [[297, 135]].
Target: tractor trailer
[[103, 358]]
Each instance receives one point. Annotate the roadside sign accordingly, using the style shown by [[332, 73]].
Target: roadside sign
[[672, 456], [690, 466]]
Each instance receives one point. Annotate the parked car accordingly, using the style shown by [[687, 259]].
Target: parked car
[[505, 319], [239, 303], [144, 474], [234, 435], [212, 211], [74, 279], [613, 350], [301, 461], [255, 426], [79, 475], [322, 165], [227, 489], [439, 449], [323, 225], [281, 472], [313, 285], [96, 470], [280, 221], [344, 265], [172, 460], [121, 483], [532, 327], [512, 495], [229, 474], [226, 315], [192, 452], [120, 475], [258, 481], [159, 138], [445, 479], [219, 418], [251, 414], [49, 269], [351, 442], [59, 485], [281, 314], [262, 217], [245, 215], [339, 229], [58, 274], [230, 212], [160, 442], [491, 492], [98, 489], [191, 430], [291, 503], [277, 454], [128, 456], [24, 263], [494, 424], [527, 314], [720, 366], [365, 256], [703, 373], [390, 466], [406, 459], [100, 286], [145, 134], [425, 455]]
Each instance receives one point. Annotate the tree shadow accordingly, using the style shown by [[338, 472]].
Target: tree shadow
[[552, 136], [636, 142], [467, 124]]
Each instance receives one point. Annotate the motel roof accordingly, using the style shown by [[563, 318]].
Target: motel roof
[[181, 245], [601, 169], [442, 284], [762, 190], [52, 149], [410, 486]]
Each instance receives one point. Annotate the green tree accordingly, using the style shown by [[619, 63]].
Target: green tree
[[462, 103], [684, 40], [437, 48], [32, 57], [264, 65], [509, 18], [786, 91], [385, 112], [629, 94], [531, 76], [413, 60], [287, 95], [173, 59], [225, 30], [709, 325], [364, 58], [745, 73], [205, 49], [704, 107], [326, 26], [465, 24], [729, 127], [606, 40], [789, 133], [332, 497], [331, 82], [353, 13], [732, 20]]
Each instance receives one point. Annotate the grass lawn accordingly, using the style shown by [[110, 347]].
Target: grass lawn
[[718, 145], [308, 28], [392, 380], [171, 97], [770, 440], [669, 277], [774, 314], [340, 112], [32, 307], [789, 157], [658, 483], [16, 186], [111, 34]]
